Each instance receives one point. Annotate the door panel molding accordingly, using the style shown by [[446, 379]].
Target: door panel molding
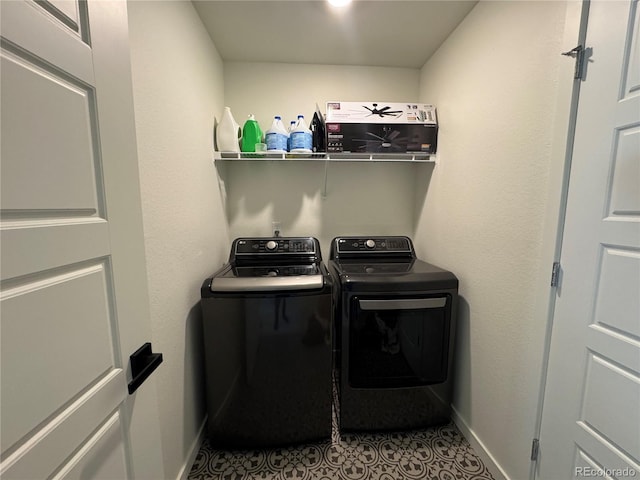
[[43, 315], [100, 457], [62, 171], [44, 452], [27, 249], [54, 44], [64, 11]]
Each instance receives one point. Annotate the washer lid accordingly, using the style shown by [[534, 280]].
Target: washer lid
[[268, 278], [274, 270]]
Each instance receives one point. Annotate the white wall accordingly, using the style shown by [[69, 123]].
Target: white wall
[[361, 199], [285, 89], [178, 88], [495, 84]]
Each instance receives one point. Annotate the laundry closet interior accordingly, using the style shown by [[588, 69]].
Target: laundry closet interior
[[476, 207]]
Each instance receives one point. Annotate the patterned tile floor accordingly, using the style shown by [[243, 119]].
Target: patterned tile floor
[[435, 453]]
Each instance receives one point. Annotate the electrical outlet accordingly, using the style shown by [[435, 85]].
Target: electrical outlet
[[275, 228]]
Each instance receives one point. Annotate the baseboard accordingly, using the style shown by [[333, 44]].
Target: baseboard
[[193, 452], [477, 445]]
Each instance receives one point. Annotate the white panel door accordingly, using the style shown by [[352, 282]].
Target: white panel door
[[591, 414], [73, 295]]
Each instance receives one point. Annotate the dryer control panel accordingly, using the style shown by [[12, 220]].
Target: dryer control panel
[[357, 246]]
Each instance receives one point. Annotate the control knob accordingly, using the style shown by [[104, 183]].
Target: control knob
[[369, 243], [271, 245]]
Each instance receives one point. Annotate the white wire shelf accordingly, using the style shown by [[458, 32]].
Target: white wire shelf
[[331, 157]]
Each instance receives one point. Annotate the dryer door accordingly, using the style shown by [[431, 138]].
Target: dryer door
[[398, 341]]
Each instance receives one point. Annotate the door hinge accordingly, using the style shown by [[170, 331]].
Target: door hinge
[[578, 54], [535, 448], [555, 274]]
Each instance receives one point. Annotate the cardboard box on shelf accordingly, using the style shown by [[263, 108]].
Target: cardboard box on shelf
[[378, 127]]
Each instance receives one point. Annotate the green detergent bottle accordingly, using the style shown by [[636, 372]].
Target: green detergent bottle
[[251, 134]]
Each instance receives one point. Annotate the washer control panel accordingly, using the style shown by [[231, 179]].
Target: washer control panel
[[275, 245]]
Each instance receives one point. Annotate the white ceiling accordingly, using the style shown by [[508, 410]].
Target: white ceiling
[[388, 33]]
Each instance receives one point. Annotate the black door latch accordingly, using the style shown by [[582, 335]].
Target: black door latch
[[143, 362]]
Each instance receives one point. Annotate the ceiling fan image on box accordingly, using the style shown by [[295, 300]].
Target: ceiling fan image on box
[[389, 141], [383, 112]]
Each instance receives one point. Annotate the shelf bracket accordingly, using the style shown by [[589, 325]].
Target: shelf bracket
[[326, 170]]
